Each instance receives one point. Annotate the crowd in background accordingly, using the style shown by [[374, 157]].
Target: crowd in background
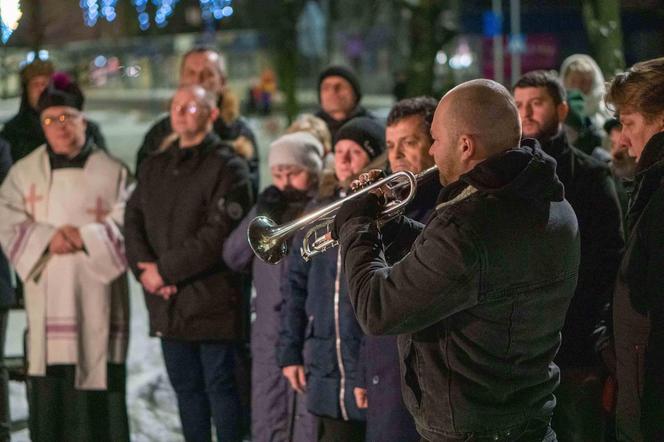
[[318, 365]]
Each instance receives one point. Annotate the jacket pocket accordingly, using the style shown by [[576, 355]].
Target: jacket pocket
[[411, 362]]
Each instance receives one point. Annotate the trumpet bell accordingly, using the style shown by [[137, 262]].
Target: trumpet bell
[[266, 245]]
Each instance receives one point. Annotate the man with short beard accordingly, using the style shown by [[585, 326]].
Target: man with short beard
[[479, 300], [541, 100], [408, 140]]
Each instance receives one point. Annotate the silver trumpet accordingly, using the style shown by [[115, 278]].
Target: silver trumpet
[[268, 240]]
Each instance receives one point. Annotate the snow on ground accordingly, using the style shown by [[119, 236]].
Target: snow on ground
[[151, 402]]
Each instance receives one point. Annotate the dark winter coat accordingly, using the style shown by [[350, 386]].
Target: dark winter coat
[[272, 396], [638, 305], [334, 125], [24, 132], [480, 300], [227, 132], [591, 192], [7, 298], [387, 416], [315, 314], [186, 203]]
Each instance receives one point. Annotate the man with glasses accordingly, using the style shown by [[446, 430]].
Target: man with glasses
[[189, 198], [62, 209], [24, 131]]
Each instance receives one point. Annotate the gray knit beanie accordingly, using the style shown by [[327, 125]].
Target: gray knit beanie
[[297, 149]]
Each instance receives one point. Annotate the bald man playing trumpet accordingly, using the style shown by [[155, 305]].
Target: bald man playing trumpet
[[479, 301]]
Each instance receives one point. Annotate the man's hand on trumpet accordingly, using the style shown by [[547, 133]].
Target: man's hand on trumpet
[[369, 204], [366, 179]]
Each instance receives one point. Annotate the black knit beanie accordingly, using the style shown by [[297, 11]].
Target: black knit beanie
[[345, 73], [366, 132], [61, 91]]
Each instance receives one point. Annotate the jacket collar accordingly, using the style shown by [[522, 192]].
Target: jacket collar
[[652, 155], [523, 172], [209, 142], [649, 177], [556, 146], [59, 161]]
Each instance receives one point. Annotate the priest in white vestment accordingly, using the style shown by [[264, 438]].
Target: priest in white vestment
[[61, 212]]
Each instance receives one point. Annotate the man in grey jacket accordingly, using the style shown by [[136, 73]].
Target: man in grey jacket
[[480, 299]]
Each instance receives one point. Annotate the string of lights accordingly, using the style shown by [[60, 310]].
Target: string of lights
[[211, 11], [92, 11], [164, 10], [143, 16]]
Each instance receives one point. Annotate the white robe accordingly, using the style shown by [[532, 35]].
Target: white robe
[[77, 304]]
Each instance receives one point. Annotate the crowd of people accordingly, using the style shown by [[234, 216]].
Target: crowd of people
[[516, 298]]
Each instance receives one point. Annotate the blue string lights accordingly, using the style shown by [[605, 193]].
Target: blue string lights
[[92, 10], [164, 10], [211, 11], [143, 16]]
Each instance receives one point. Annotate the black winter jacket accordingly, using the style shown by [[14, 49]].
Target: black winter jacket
[[591, 192], [638, 305], [387, 416], [481, 298], [186, 203]]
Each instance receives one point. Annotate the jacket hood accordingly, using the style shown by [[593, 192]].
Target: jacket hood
[[525, 172]]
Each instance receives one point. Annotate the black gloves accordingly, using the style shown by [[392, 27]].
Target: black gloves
[[366, 205], [270, 203], [281, 206]]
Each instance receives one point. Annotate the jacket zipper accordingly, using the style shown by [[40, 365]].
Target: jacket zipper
[[337, 329]]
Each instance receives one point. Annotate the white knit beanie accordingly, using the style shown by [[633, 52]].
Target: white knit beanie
[[297, 149]]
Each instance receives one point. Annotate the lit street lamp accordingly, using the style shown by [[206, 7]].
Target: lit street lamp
[[10, 14]]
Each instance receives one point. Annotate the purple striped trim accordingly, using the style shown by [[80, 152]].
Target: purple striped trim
[[117, 251], [23, 232], [61, 328]]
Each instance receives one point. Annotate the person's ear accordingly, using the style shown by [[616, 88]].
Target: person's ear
[[660, 118], [562, 110], [214, 114], [467, 147]]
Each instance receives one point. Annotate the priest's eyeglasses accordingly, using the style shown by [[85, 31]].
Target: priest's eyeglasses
[[189, 108], [62, 119]]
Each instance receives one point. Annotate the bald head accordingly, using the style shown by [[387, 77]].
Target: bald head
[[473, 121], [486, 110]]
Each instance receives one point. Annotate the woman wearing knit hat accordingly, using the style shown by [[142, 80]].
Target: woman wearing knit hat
[[277, 414], [320, 337]]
